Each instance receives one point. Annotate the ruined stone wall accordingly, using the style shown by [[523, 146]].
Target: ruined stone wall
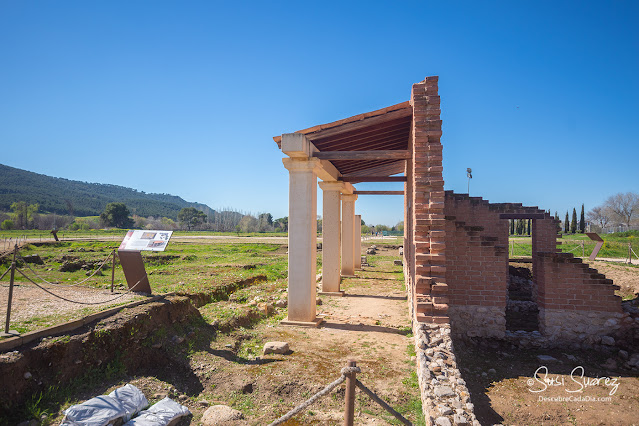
[[575, 302]]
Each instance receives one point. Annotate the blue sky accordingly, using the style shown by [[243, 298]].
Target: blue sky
[[541, 99]]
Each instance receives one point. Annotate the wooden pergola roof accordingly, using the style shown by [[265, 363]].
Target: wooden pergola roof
[[386, 129]]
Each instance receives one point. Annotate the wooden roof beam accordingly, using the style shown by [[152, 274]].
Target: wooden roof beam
[[522, 215], [363, 155], [378, 192], [373, 178], [360, 124]]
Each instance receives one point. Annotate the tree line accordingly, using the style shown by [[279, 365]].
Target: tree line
[[617, 211], [74, 198], [118, 215]]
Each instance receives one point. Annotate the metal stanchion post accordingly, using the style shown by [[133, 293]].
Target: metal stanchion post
[[112, 270], [8, 332]]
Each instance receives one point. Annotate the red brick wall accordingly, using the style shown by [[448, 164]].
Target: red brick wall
[[426, 200], [476, 252], [477, 260], [456, 247], [544, 240], [564, 282]]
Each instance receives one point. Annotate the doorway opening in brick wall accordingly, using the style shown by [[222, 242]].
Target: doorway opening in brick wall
[[522, 310]]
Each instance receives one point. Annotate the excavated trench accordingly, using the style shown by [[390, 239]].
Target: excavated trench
[[143, 340]]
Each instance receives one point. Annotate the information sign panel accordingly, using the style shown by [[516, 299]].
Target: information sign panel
[[138, 240]]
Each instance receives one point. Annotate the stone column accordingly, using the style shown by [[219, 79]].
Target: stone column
[[331, 237], [357, 241], [302, 241], [348, 220]]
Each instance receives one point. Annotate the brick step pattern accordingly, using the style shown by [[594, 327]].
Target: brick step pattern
[[591, 276], [478, 247], [474, 267], [432, 303]]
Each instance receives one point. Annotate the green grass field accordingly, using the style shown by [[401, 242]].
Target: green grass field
[[45, 234], [183, 267], [615, 245]]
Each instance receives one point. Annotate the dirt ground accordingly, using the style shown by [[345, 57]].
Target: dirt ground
[[625, 276], [507, 386], [369, 325], [511, 386], [30, 301]]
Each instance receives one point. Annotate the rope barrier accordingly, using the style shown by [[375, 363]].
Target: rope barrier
[[381, 402], [631, 249], [74, 301], [318, 395], [570, 251], [99, 268]]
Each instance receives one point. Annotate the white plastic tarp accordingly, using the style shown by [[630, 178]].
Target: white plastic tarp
[[132, 399], [159, 414], [98, 411]]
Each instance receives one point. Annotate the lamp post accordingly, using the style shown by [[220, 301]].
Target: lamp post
[[469, 175]]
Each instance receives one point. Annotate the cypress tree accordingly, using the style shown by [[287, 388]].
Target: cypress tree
[[512, 226], [528, 227], [557, 221], [582, 220], [573, 223], [566, 224]]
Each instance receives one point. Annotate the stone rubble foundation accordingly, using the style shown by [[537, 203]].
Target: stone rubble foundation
[[445, 397], [478, 321]]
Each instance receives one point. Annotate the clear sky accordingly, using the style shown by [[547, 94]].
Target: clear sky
[[540, 98]]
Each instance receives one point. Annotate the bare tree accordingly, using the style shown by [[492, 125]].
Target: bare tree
[[249, 224], [624, 206], [601, 215]]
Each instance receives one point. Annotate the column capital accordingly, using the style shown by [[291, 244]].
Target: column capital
[[331, 185], [301, 165], [296, 145], [349, 197]]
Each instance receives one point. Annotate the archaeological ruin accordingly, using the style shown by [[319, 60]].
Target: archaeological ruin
[[455, 257], [455, 246]]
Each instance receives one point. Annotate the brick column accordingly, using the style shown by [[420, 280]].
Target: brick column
[[302, 240], [544, 242], [331, 237], [428, 204], [348, 221]]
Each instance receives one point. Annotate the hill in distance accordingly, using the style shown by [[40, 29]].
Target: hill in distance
[[63, 196]]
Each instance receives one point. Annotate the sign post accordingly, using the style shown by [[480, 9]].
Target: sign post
[[134, 242], [7, 332], [600, 242]]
